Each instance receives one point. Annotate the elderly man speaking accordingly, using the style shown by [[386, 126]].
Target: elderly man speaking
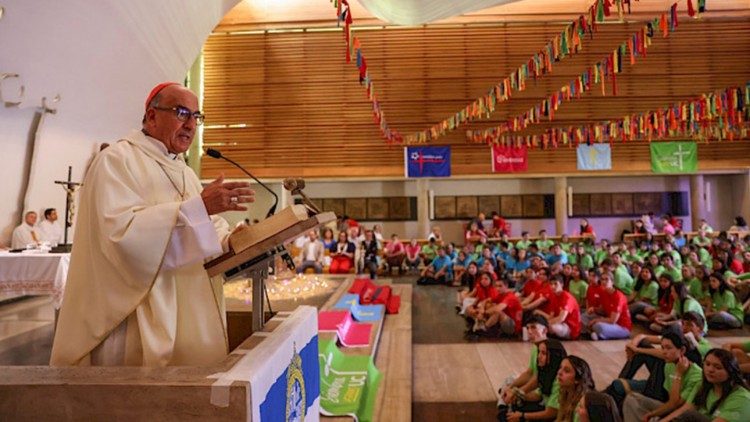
[[137, 293]]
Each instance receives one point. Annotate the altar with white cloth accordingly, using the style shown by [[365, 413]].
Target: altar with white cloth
[[34, 273]]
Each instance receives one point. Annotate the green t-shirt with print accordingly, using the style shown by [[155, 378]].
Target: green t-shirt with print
[[691, 380], [578, 289], [728, 302], [565, 247], [735, 408], [649, 293]]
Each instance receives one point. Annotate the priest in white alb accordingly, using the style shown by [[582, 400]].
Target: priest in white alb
[[137, 293], [50, 230], [25, 234]]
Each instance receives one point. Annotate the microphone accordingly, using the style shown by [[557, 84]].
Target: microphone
[[213, 153]]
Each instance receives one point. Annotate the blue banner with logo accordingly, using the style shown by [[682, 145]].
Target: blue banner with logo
[[427, 161], [594, 157]]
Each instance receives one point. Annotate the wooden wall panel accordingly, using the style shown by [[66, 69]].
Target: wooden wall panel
[[297, 108]]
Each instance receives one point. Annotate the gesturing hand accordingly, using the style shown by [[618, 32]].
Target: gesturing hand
[[219, 196]]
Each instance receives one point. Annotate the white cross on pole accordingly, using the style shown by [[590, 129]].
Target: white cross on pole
[[680, 153]]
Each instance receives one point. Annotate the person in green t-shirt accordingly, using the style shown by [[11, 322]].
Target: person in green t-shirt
[[602, 253], [724, 310], [578, 285], [694, 284], [550, 357], [543, 242], [645, 292], [429, 251], [581, 258], [693, 327], [524, 242], [676, 258], [623, 280], [682, 379], [565, 243], [667, 266], [516, 389], [681, 302], [723, 394]]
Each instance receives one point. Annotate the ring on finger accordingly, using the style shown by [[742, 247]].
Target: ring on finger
[[233, 199]]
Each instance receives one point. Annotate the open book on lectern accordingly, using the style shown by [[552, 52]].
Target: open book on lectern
[[252, 244]]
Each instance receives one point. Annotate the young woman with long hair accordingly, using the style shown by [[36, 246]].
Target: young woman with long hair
[[575, 380], [723, 394]]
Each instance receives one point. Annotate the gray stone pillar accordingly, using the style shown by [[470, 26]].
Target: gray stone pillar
[[697, 200], [423, 208]]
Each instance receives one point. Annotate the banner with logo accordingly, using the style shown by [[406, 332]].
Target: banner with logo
[[509, 159], [283, 371], [674, 157], [348, 383], [427, 161], [594, 157]]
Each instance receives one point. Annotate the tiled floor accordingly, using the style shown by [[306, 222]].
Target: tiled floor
[[26, 331]]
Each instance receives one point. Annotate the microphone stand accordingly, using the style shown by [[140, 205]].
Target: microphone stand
[[280, 250]]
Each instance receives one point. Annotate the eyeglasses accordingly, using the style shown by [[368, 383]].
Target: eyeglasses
[[183, 114]]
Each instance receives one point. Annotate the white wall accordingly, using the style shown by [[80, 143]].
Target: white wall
[[102, 57]]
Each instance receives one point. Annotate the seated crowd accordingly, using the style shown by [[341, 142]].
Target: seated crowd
[[674, 287]]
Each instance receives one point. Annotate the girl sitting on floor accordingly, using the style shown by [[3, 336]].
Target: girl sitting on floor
[[722, 396], [724, 310], [575, 380], [541, 404]]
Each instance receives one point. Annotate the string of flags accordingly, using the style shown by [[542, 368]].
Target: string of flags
[[721, 115], [603, 71], [567, 43]]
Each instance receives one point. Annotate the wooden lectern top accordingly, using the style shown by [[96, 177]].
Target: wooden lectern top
[[252, 241]]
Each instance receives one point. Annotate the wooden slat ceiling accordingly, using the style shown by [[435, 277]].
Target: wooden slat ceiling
[[306, 114]]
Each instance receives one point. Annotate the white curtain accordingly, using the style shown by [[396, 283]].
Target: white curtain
[[415, 12]]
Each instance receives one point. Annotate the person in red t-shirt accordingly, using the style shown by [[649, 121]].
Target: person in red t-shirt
[[615, 324], [505, 309], [485, 292], [498, 225], [537, 293], [593, 297], [565, 316]]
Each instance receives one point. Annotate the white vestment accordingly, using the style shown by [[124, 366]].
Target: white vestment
[[137, 292], [24, 235], [51, 232]]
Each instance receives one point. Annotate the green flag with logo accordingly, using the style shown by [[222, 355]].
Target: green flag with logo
[[348, 383], [674, 157]]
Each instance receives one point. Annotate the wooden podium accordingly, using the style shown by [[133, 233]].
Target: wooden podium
[[254, 248]]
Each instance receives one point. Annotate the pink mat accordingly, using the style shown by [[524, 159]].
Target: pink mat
[[330, 320], [349, 332]]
